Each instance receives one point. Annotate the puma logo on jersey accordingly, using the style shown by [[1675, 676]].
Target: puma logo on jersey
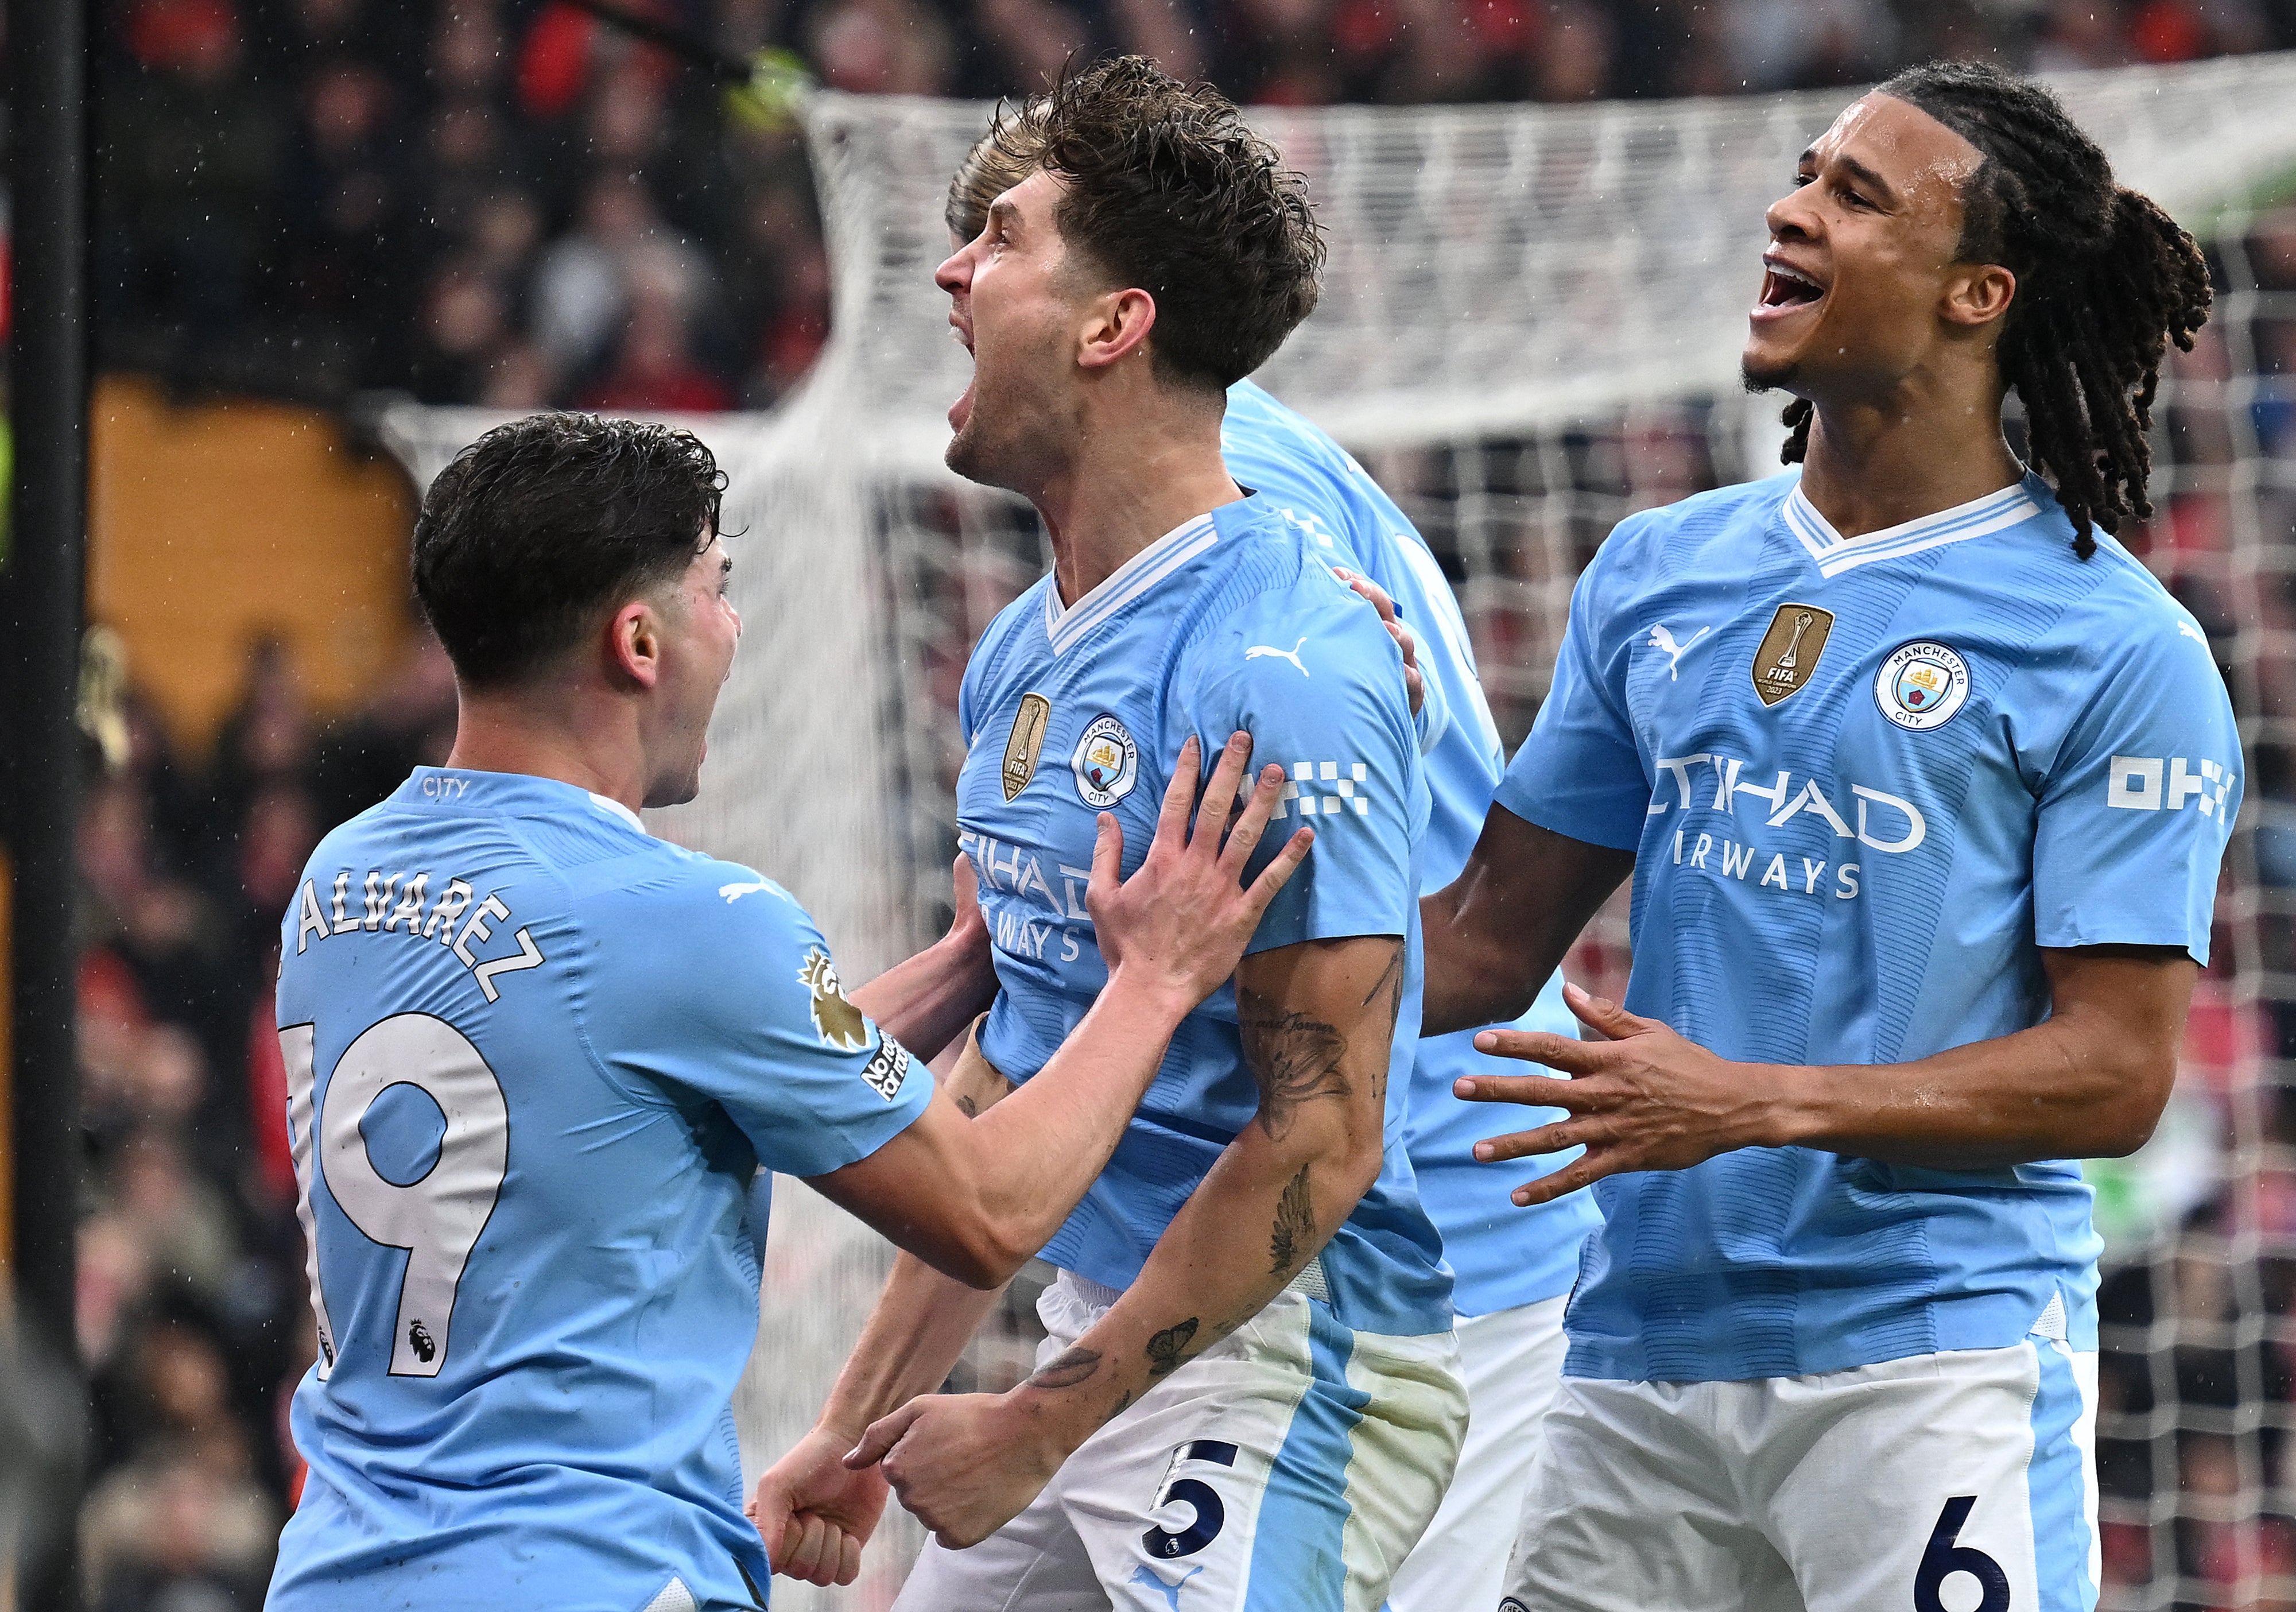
[[734, 893], [1170, 1592], [1662, 638], [2194, 633], [1263, 651]]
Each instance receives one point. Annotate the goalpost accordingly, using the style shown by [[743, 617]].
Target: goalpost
[[1529, 328]]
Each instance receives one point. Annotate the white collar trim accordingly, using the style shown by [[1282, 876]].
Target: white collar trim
[[1836, 554], [1129, 581], [606, 803]]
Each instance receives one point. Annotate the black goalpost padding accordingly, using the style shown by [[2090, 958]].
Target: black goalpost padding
[[42, 603]]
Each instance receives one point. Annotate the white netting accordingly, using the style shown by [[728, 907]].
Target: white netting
[[1530, 328]]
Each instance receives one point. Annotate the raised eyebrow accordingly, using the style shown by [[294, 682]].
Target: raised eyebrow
[[1004, 214]]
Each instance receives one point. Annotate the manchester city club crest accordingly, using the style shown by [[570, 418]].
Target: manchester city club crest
[[1106, 763], [1026, 739], [1921, 685]]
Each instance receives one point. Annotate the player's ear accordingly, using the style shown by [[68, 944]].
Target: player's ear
[[1978, 294], [1116, 326], [633, 644]]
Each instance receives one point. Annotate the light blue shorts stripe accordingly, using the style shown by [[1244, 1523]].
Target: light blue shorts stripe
[[1297, 1556], [2057, 1488]]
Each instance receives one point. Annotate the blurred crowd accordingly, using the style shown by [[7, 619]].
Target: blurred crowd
[[193, 1319], [510, 202]]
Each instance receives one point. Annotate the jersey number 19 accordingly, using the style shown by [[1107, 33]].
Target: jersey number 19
[[436, 1217]]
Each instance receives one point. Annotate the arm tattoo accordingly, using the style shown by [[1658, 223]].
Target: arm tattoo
[[1295, 1227], [972, 1109], [1067, 1369], [1295, 1059], [1390, 984], [1165, 1349]]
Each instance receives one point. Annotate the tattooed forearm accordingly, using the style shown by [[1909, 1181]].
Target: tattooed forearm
[[1390, 985], [1295, 1227], [1166, 1348], [1067, 1369], [1294, 1059], [972, 1109]]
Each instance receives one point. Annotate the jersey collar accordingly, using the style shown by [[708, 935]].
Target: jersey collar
[[465, 789], [1128, 582], [1836, 554]]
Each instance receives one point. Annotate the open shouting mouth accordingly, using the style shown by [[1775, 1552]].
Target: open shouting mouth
[[1786, 290]]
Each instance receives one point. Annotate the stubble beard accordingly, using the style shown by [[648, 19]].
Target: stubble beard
[[1759, 378]]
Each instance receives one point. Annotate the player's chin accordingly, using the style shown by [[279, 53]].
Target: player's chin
[[678, 788], [1768, 365], [967, 455]]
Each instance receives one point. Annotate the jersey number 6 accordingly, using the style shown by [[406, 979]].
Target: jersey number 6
[[1945, 1557], [436, 1218]]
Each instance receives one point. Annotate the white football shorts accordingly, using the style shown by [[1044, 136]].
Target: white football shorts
[[1960, 1482], [1513, 1361], [1290, 1468]]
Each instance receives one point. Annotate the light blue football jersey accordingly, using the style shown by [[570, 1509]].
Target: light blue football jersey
[[1233, 621], [1500, 1257], [1865, 782], [535, 1057]]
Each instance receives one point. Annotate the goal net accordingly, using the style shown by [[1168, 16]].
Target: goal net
[[1530, 328]]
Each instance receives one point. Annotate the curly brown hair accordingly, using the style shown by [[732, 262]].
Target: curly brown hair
[[1168, 190], [2105, 280], [1012, 150]]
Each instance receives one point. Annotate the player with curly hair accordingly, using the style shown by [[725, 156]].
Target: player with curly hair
[[1508, 1278], [1248, 1397], [1923, 782]]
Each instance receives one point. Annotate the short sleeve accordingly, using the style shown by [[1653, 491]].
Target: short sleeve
[[1314, 680], [746, 1008], [1580, 772], [2139, 802]]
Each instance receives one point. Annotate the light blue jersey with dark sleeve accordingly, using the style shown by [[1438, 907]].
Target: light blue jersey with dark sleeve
[[1232, 621], [1867, 782], [535, 1058], [1500, 1257]]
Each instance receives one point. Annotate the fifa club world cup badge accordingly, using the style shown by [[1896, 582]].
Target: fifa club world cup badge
[[1788, 656], [1027, 738], [1106, 763], [1921, 685]]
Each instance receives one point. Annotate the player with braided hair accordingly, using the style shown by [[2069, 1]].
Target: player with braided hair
[[2105, 280], [1923, 782]]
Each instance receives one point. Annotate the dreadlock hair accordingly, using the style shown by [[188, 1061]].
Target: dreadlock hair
[[2105, 280], [1166, 189], [1012, 150]]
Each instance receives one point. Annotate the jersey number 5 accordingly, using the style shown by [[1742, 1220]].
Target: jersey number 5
[[436, 1218]]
